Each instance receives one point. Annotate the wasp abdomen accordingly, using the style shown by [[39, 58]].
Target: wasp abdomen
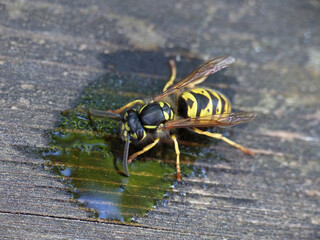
[[200, 102]]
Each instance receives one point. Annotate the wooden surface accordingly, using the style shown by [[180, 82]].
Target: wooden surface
[[50, 50]]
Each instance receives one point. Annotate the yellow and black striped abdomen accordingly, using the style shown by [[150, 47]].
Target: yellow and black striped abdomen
[[199, 102]]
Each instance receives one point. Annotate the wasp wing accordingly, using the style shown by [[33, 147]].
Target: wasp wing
[[222, 120], [199, 75]]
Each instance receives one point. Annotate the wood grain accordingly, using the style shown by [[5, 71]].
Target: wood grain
[[50, 50]]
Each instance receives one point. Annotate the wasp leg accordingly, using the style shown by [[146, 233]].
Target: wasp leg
[[219, 136], [176, 148], [128, 105], [173, 75], [192, 85], [145, 149]]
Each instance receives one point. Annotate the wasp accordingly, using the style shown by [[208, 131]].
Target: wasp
[[180, 105]]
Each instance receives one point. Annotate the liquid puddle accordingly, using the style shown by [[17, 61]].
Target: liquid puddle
[[87, 153]]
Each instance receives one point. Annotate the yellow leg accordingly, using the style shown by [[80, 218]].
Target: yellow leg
[[145, 149], [219, 136], [193, 84], [128, 105], [173, 75], [176, 148]]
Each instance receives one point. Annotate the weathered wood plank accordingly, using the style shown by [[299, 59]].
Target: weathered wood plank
[[50, 50]]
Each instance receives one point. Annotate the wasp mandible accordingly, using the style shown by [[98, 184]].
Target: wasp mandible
[[180, 105]]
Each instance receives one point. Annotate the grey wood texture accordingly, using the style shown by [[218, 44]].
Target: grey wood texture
[[51, 49]]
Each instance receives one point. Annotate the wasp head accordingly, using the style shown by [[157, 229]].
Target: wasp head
[[132, 130], [132, 126]]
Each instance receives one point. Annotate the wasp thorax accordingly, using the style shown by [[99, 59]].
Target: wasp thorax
[[132, 126], [153, 114]]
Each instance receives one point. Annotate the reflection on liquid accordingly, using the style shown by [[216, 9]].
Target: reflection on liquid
[[86, 164]]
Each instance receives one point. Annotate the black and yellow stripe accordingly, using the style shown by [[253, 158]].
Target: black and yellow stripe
[[155, 113], [200, 102]]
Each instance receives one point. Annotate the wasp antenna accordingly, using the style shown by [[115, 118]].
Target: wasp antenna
[[125, 156], [104, 114]]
